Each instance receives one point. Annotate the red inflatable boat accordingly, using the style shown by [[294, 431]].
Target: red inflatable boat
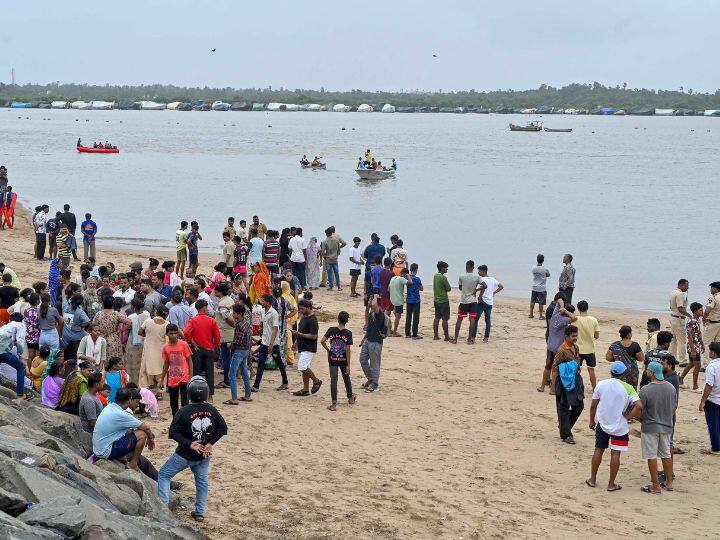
[[90, 150]]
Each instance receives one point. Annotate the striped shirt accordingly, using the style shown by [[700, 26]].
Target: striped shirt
[[271, 252]]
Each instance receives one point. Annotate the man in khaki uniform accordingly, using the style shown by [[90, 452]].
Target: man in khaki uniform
[[678, 312], [711, 316]]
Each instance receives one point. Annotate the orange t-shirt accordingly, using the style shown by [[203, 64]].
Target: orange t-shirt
[[177, 357]]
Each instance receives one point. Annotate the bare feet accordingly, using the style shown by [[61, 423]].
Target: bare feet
[[246, 398], [485, 340], [614, 487], [540, 389], [590, 483], [282, 387], [394, 334], [437, 338], [352, 399], [332, 407]]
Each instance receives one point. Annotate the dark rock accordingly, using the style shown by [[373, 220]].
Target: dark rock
[[17, 530], [11, 503]]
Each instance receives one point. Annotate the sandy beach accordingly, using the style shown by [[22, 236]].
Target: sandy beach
[[456, 444]]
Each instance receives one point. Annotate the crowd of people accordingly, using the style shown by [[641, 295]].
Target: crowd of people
[[644, 385], [106, 146], [108, 344]]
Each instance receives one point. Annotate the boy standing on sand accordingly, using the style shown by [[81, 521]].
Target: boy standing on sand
[[181, 241], [397, 297], [339, 348], [468, 284], [176, 367], [441, 288], [412, 318], [538, 295], [588, 333], [659, 402], [695, 345], [306, 336], [356, 262], [192, 244]]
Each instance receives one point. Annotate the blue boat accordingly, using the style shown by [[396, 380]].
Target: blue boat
[[20, 105]]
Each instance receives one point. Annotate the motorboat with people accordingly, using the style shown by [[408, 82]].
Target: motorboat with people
[[314, 164], [558, 130], [531, 126], [370, 169], [97, 148]]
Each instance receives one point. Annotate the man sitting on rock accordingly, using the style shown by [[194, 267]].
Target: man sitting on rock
[[119, 435]]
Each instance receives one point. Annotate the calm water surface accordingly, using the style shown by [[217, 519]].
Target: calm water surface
[[633, 198]]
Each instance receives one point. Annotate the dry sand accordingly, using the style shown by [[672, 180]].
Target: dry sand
[[457, 443]]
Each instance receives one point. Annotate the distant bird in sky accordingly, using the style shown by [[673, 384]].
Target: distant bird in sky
[[212, 50], [434, 55]]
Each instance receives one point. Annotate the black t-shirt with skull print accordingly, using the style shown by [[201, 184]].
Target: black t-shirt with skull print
[[196, 422]]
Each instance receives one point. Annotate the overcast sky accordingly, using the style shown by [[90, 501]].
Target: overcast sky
[[374, 45]]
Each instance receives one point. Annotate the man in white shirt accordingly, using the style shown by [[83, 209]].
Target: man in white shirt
[[710, 401], [39, 223], [356, 264], [125, 292], [614, 401], [298, 250], [269, 343], [489, 287]]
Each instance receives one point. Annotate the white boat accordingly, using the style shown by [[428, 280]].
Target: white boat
[[620, 112], [373, 174], [387, 108], [711, 112], [312, 107], [59, 104], [173, 106], [528, 111], [664, 112], [101, 105], [152, 106], [274, 107], [292, 107], [220, 106], [341, 107], [82, 105], [365, 108], [570, 111]]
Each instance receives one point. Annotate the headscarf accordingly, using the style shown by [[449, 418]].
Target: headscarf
[[54, 281], [313, 246], [51, 391], [260, 283], [287, 294], [70, 391], [50, 360]]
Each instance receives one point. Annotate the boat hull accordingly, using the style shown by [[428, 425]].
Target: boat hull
[[321, 166], [90, 150], [513, 127], [372, 174], [550, 130]]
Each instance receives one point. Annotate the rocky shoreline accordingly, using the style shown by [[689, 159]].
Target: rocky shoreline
[[48, 489]]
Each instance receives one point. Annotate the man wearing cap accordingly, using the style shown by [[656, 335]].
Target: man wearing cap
[[659, 402], [678, 312], [613, 403], [711, 316], [664, 340]]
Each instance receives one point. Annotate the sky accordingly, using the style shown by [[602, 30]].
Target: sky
[[370, 45]]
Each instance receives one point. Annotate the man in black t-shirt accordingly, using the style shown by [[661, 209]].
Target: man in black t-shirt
[[53, 228], [68, 218], [196, 428], [306, 336], [337, 342], [8, 296]]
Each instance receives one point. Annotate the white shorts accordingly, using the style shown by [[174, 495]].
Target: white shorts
[[304, 360]]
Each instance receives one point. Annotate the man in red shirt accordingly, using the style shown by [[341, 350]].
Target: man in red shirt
[[203, 335]]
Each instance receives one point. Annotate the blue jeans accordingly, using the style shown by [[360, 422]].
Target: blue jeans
[[332, 270], [239, 361], [225, 355], [482, 308], [712, 417], [13, 361], [176, 464]]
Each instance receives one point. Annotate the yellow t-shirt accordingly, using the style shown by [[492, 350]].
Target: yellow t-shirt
[[587, 325], [36, 370], [181, 239]]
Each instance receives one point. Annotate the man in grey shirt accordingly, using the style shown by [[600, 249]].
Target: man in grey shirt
[[90, 406], [469, 284], [567, 278], [538, 295], [659, 401], [330, 249], [153, 299]]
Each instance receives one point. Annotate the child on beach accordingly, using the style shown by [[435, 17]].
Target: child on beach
[[177, 367], [337, 341], [115, 376], [695, 345]]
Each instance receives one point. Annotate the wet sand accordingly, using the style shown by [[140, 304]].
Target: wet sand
[[456, 444]]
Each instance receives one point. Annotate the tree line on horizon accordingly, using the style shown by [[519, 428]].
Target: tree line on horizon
[[575, 95]]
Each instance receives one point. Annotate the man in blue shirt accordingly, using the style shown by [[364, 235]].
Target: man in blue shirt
[[89, 230], [412, 318]]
